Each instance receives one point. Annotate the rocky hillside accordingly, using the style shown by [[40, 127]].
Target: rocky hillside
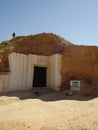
[[40, 44]]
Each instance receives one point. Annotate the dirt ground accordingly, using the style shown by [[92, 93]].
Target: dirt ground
[[48, 111]]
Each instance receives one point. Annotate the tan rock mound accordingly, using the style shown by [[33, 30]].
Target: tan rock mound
[[40, 44]]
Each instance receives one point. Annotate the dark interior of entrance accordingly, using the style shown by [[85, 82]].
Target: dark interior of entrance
[[40, 74]]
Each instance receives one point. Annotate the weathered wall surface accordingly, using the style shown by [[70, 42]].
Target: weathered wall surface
[[54, 75], [80, 62], [76, 63], [4, 82], [89, 88], [22, 71]]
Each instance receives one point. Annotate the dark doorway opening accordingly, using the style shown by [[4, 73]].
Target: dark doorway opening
[[40, 74]]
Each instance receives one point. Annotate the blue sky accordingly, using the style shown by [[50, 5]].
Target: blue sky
[[75, 20]]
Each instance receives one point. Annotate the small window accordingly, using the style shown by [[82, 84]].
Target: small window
[[75, 85]]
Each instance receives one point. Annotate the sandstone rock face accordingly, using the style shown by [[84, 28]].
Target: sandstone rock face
[[81, 63]]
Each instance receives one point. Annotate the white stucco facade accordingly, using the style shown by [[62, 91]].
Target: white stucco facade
[[21, 72]]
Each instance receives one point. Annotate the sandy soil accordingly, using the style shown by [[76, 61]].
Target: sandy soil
[[48, 111]]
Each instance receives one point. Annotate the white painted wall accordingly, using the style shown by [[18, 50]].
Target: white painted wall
[[54, 76], [22, 70], [4, 82]]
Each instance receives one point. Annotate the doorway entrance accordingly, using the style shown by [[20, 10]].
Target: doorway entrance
[[40, 76]]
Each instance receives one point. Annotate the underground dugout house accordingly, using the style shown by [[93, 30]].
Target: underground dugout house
[[48, 61]]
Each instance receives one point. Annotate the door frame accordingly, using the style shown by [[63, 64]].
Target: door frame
[[33, 76]]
